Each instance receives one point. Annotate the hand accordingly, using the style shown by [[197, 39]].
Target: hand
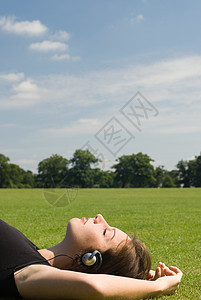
[[168, 284], [161, 270]]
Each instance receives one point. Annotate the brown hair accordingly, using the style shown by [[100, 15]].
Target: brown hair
[[130, 259]]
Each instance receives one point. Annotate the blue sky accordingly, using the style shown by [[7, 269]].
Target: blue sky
[[68, 68]]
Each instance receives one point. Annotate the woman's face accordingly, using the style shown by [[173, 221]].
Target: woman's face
[[94, 233]]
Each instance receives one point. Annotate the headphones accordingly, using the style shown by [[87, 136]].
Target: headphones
[[90, 259]]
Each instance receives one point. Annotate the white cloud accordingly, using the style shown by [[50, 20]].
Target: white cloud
[[27, 90], [137, 18], [55, 43], [7, 125], [14, 103], [24, 95], [61, 35], [61, 57], [184, 129], [171, 79], [47, 46], [65, 56], [171, 71], [30, 28], [12, 77], [81, 126], [191, 157], [26, 164], [76, 58], [26, 161], [172, 84]]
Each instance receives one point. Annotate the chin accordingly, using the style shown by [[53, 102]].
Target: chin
[[71, 227], [73, 220]]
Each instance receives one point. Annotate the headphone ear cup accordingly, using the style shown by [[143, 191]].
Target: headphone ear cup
[[90, 259]]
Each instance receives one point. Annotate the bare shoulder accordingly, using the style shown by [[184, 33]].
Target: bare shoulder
[[45, 282]]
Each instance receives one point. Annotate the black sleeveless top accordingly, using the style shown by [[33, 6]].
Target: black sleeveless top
[[16, 252]]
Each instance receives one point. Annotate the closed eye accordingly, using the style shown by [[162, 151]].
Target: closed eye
[[105, 230]]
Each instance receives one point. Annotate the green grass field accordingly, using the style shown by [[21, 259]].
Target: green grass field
[[167, 220]]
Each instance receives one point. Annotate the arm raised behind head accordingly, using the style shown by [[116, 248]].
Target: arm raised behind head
[[44, 282]]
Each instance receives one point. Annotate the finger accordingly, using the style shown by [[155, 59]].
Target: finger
[[162, 266], [176, 270], [168, 272], [151, 275], [158, 273]]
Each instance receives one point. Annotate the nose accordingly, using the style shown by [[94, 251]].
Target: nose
[[99, 219]]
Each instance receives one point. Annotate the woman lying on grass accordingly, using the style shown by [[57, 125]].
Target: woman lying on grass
[[63, 271]]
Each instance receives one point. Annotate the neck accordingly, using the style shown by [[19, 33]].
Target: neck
[[61, 262]]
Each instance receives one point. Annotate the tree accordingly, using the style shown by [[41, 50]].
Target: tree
[[198, 171], [134, 170], [159, 175], [4, 177], [15, 174], [12, 176], [175, 177], [28, 179], [103, 179], [52, 172], [194, 170], [166, 178], [81, 173], [168, 182], [183, 173]]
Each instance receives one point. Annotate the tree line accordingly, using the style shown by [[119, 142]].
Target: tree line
[[129, 171]]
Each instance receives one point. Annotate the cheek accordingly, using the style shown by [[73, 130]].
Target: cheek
[[91, 236], [92, 239], [83, 237]]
